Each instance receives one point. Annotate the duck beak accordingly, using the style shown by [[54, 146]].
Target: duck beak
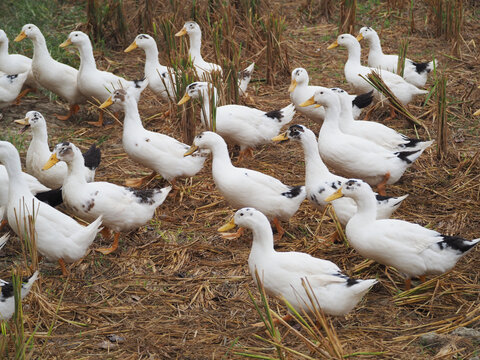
[[24, 122], [309, 102], [182, 32], [317, 105], [476, 113], [293, 85], [333, 45], [360, 37], [336, 195], [132, 46], [228, 226], [281, 137], [184, 99], [107, 103], [20, 36], [66, 43], [52, 161], [190, 151]]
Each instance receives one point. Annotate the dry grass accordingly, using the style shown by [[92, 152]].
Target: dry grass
[[176, 290]]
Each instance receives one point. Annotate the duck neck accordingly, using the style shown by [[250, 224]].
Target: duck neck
[[40, 138], [40, 49], [354, 53], [195, 45], [205, 112], [220, 158], [374, 43], [132, 121], [366, 208], [151, 56], [17, 184], [347, 110], [4, 48], [262, 238], [331, 122], [314, 166], [76, 170], [87, 60]]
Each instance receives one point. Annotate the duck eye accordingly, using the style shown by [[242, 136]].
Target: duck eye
[[321, 92], [241, 214], [76, 34]]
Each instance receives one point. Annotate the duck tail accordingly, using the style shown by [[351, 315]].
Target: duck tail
[[244, 78], [92, 157], [457, 243], [84, 238], [360, 287], [283, 116], [26, 286], [51, 197], [363, 100], [416, 144], [161, 195], [409, 156], [3, 240]]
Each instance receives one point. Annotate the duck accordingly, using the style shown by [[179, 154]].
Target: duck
[[159, 152], [52, 75], [202, 68], [374, 131], [300, 91], [10, 87], [237, 124], [40, 191], [58, 236], [4, 238], [245, 187], [7, 297], [13, 64], [403, 90], [416, 73], [38, 153], [321, 183], [94, 84], [284, 274], [161, 79], [121, 208], [413, 250], [353, 156]]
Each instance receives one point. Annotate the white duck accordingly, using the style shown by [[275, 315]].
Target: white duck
[[95, 84], [244, 187], [413, 250], [282, 273], [161, 79], [57, 77], [415, 73], [321, 183], [10, 87], [38, 153], [12, 64], [373, 131], [237, 124], [300, 91], [160, 153], [58, 236], [353, 156], [7, 298], [122, 208], [203, 68], [403, 90]]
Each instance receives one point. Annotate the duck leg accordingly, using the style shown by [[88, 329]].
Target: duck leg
[[392, 113], [235, 235], [142, 181], [381, 187], [244, 153], [334, 238], [422, 278], [22, 94], [106, 251], [3, 224], [106, 233], [73, 110], [408, 284], [99, 122], [63, 267], [280, 230], [276, 321]]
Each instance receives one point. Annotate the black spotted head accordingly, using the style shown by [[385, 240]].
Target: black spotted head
[[198, 90], [208, 140], [366, 33], [34, 120], [299, 77], [119, 96], [356, 188], [66, 151], [296, 132], [249, 217], [144, 41]]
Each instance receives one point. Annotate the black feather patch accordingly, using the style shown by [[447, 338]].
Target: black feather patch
[[51, 197], [351, 282], [456, 243], [145, 196], [92, 157], [403, 155], [12, 77], [275, 114], [138, 83], [7, 291], [421, 67], [293, 192], [382, 198], [363, 100], [244, 74]]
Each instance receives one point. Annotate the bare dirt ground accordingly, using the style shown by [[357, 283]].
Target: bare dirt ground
[[175, 289]]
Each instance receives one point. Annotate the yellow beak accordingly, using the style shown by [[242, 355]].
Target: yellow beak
[[360, 37], [281, 137], [66, 43], [190, 151], [107, 103], [333, 45], [184, 99], [336, 195], [476, 113], [293, 85], [309, 102], [182, 32], [132, 46], [228, 226], [317, 106], [20, 36], [52, 161], [22, 121]]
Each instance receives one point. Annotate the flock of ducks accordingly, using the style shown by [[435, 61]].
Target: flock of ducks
[[361, 153]]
